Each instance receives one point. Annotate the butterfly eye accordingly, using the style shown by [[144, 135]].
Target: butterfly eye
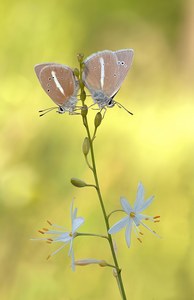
[[61, 110], [110, 103]]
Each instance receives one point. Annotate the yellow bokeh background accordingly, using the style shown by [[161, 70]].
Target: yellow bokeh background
[[40, 155]]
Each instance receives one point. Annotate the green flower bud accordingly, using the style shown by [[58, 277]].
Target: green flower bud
[[83, 95], [86, 146], [80, 57], [98, 119], [78, 182], [76, 72], [84, 110]]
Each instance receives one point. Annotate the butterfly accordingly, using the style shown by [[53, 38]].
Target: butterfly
[[104, 73], [60, 84]]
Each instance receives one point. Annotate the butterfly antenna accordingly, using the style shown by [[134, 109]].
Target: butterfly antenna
[[121, 106], [45, 111]]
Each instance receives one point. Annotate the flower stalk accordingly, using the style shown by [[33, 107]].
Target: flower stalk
[[97, 123]]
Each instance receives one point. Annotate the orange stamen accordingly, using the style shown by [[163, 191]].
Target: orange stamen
[[49, 223], [139, 240], [41, 231]]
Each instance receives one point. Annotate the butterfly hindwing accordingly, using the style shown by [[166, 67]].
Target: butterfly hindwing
[[58, 82], [124, 62]]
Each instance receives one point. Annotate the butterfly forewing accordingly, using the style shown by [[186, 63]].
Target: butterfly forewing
[[99, 71], [58, 82], [110, 73], [92, 72], [39, 67], [106, 70]]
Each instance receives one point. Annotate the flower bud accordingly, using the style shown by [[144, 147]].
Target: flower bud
[[84, 110], [80, 57], [83, 95], [78, 182], [98, 119], [90, 261], [86, 146], [76, 72]]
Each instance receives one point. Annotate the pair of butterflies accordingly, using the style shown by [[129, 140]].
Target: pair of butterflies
[[103, 74]]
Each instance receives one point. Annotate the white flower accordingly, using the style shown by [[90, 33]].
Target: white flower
[[63, 236], [134, 217]]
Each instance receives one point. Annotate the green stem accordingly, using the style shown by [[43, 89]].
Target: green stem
[[112, 212], [91, 139], [92, 234], [119, 277]]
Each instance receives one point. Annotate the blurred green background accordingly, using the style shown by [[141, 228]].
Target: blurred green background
[[40, 155]]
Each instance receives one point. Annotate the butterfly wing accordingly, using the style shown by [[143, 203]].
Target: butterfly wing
[[99, 71], [92, 72], [106, 70], [58, 82], [124, 62]]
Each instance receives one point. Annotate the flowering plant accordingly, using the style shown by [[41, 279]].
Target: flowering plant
[[134, 217]]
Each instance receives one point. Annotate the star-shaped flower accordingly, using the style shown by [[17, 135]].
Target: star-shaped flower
[[63, 236], [134, 217]]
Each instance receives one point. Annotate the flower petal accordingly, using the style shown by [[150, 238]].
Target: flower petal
[[73, 212], [71, 254], [77, 223], [128, 233], [65, 238], [70, 247], [140, 197], [136, 220], [119, 225], [145, 204], [125, 205]]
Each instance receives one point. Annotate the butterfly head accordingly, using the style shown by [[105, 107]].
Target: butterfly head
[[102, 100]]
